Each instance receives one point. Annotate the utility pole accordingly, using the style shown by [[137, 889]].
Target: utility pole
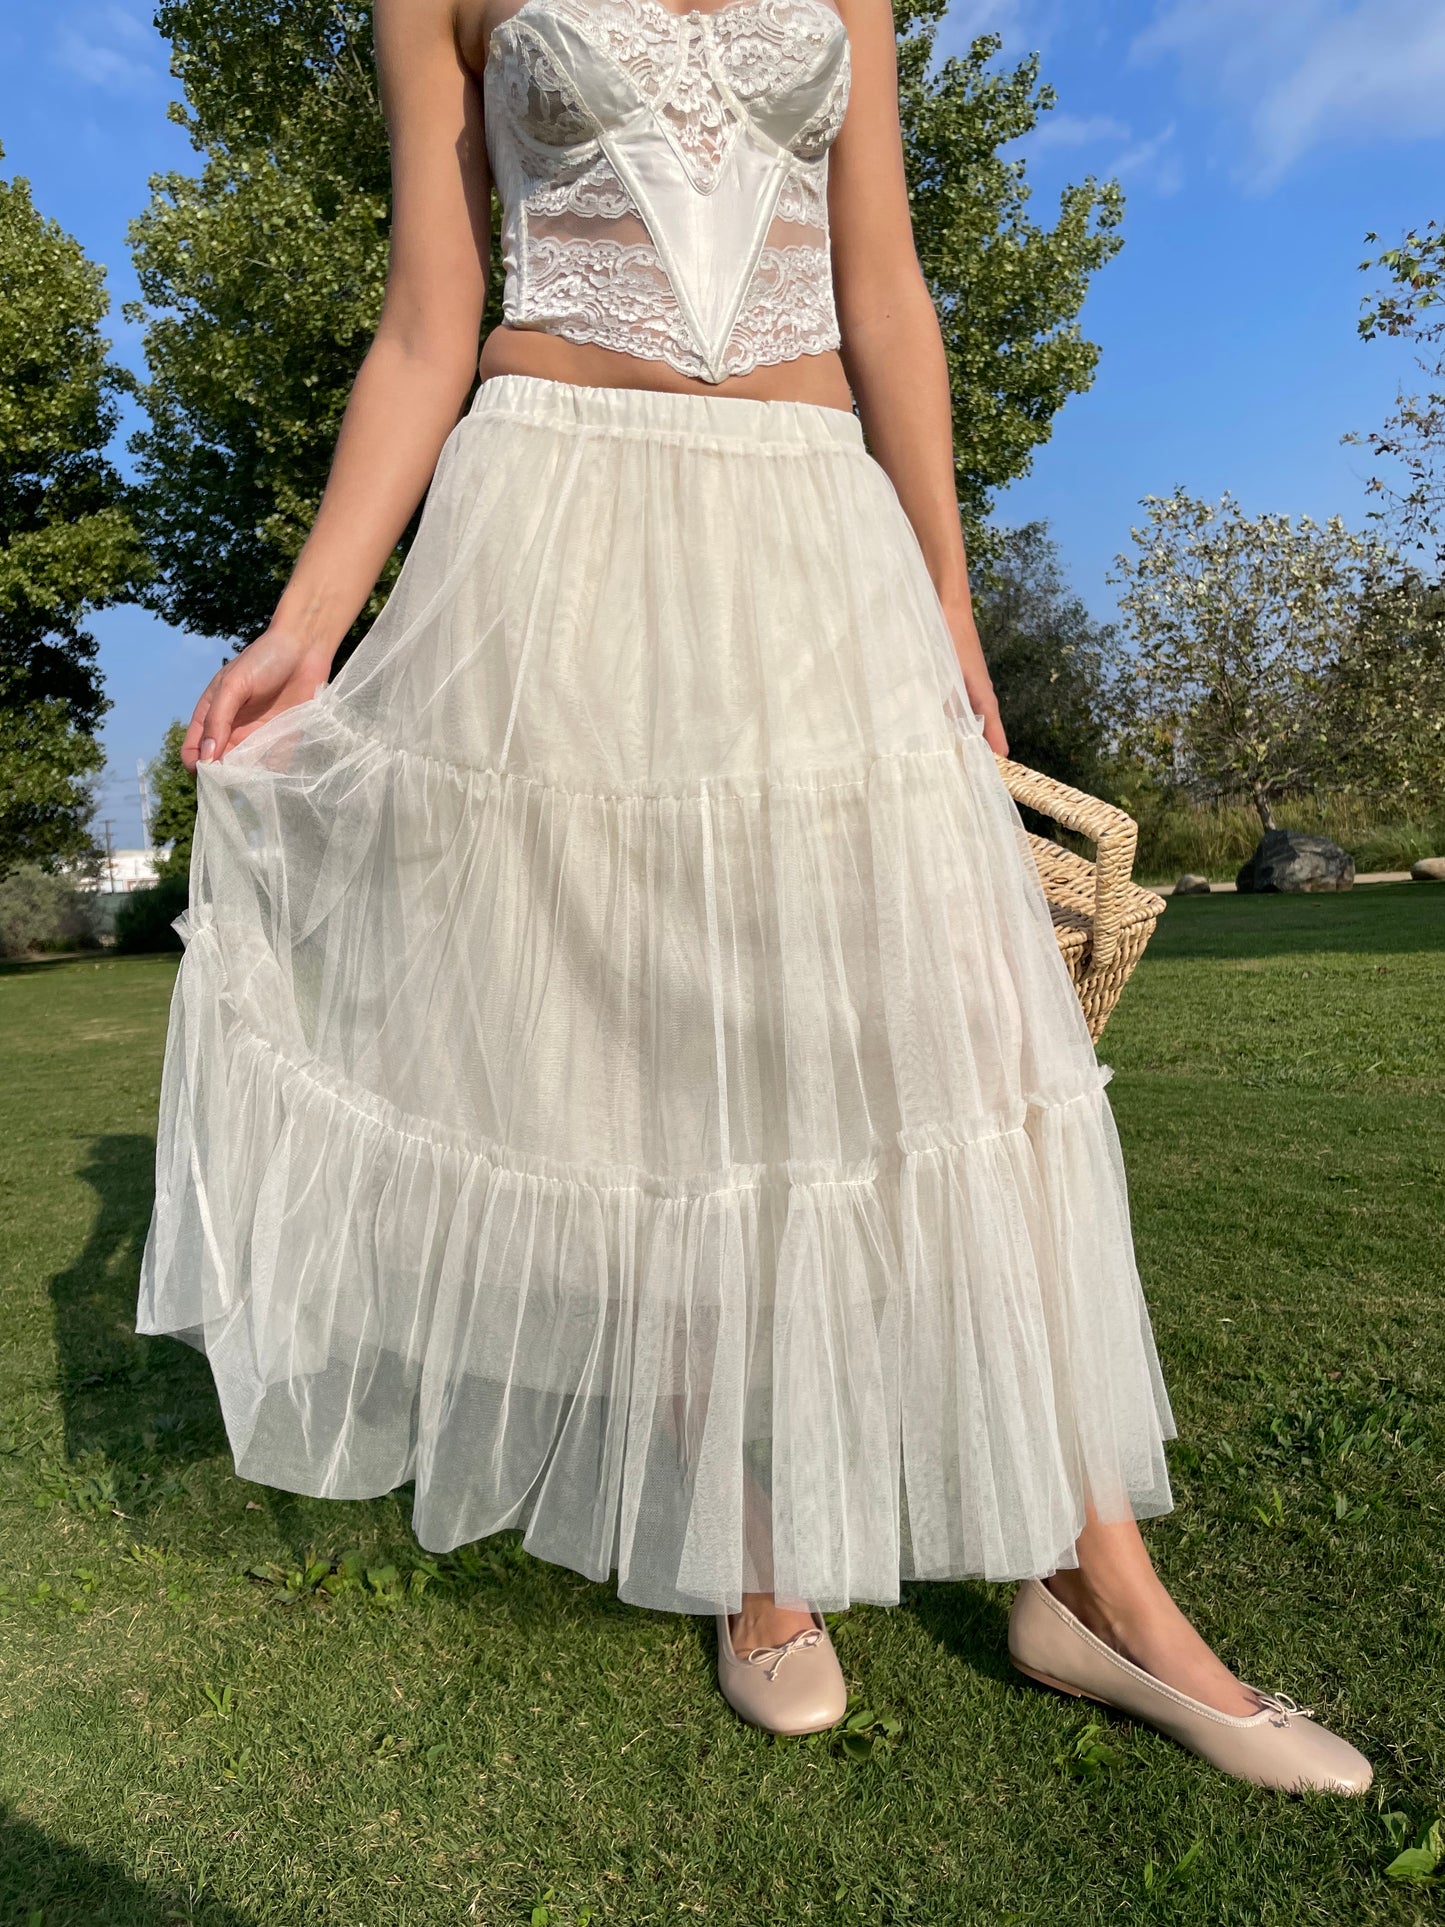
[[145, 800], [109, 859]]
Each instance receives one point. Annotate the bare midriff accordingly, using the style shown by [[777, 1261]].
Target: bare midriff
[[528, 351]]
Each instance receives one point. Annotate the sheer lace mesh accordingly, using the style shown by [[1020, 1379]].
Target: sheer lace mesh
[[608, 121]]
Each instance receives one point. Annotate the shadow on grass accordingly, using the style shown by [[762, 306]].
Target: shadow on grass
[[142, 1404], [138, 1411], [1377, 918], [968, 1620], [42, 1879]]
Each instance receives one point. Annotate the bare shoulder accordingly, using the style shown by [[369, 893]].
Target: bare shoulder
[[869, 24], [872, 116], [868, 213], [414, 37], [397, 20], [441, 189]]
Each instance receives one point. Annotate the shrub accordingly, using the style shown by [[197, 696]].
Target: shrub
[[40, 912], [143, 920]]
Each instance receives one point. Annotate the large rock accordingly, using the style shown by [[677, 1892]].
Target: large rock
[[1295, 860], [1190, 885], [1430, 869]]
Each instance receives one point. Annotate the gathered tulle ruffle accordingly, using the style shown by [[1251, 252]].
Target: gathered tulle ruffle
[[622, 1077]]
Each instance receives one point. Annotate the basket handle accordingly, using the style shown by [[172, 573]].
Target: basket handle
[[1113, 833]]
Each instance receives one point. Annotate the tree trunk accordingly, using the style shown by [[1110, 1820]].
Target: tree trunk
[[1266, 811]]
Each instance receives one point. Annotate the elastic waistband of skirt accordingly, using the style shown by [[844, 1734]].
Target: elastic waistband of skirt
[[666, 414]]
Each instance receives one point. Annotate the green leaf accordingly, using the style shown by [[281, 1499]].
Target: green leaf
[[1158, 1878], [221, 1702], [1416, 1864], [1397, 1826]]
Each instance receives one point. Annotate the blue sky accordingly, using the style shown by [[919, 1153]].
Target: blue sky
[[1258, 142]]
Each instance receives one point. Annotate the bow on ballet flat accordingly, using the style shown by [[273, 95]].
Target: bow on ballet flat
[[773, 1656], [1280, 1703]]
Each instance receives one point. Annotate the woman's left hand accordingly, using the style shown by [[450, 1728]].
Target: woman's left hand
[[976, 679], [985, 703]]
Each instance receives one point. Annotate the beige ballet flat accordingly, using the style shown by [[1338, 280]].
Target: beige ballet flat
[[1279, 1746], [793, 1688]]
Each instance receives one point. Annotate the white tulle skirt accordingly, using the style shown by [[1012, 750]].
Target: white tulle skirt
[[622, 1076]]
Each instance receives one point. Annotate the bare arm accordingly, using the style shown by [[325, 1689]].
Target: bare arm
[[410, 388], [892, 347]]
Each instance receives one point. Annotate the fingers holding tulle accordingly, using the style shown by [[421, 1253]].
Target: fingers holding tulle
[[231, 693], [196, 730]]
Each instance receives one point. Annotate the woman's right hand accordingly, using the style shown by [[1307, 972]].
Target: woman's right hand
[[271, 674]]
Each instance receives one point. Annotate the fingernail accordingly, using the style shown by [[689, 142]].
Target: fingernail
[[208, 748]]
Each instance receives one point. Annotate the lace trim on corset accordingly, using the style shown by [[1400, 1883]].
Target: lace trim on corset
[[767, 49], [761, 48], [615, 294], [803, 200], [819, 134], [594, 194], [540, 97]]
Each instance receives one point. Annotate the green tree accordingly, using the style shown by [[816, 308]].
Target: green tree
[[262, 279], [67, 542], [1384, 699], [1412, 441], [1055, 670], [173, 808], [1241, 624], [47, 771], [263, 274], [1008, 291]]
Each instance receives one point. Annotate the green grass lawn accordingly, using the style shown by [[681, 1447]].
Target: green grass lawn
[[503, 1742]]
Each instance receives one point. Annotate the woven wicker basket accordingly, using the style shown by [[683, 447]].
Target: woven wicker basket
[[1101, 919]]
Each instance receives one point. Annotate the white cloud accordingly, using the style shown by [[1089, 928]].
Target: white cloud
[[1153, 161], [110, 48], [1022, 23], [1307, 73], [1077, 130], [966, 18]]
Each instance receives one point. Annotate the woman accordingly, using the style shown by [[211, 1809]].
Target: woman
[[622, 1076]]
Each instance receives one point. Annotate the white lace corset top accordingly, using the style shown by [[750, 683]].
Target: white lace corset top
[[663, 176]]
